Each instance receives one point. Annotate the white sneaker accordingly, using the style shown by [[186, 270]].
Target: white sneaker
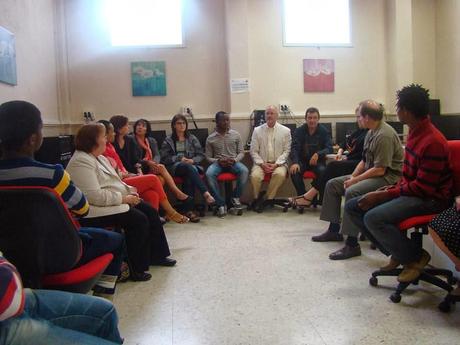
[[222, 211], [237, 203]]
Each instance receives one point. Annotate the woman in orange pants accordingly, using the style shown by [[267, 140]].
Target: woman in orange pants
[[149, 187]]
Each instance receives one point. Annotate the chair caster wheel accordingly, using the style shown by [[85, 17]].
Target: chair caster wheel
[[373, 281], [395, 298], [301, 210], [452, 280], [239, 212], [285, 209], [444, 306]]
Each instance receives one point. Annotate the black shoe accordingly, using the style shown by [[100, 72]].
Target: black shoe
[[345, 253], [140, 276], [164, 262], [328, 236]]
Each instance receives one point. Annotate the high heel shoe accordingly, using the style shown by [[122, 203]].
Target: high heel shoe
[[178, 218], [294, 202]]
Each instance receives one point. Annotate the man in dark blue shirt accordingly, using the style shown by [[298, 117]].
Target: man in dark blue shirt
[[310, 145]]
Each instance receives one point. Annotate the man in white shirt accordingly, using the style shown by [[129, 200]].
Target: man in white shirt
[[270, 148]]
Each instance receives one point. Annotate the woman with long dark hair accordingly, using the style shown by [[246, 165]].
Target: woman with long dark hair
[[148, 186], [146, 156], [181, 153]]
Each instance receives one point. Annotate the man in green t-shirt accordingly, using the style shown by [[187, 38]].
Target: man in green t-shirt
[[381, 165]]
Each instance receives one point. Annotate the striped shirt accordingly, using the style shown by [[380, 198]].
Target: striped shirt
[[228, 145], [29, 172], [11, 293], [426, 172]]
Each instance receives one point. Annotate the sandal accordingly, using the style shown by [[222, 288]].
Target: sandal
[[194, 218], [178, 218], [294, 202]]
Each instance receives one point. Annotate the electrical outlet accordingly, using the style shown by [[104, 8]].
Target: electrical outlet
[[88, 116], [186, 109], [284, 108]]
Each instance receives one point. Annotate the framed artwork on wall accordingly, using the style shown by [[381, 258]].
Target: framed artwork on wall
[[7, 57], [148, 78], [318, 75]]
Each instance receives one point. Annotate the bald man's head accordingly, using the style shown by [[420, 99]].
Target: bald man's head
[[372, 108]]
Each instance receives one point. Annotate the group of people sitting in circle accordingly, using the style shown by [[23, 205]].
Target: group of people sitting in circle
[[115, 180]]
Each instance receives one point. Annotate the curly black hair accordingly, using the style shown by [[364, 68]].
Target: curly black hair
[[415, 99]]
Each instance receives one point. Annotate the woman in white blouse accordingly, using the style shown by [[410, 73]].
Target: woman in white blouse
[[113, 203]]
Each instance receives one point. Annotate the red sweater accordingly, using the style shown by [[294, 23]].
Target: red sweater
[[426, 171], [114, 158]]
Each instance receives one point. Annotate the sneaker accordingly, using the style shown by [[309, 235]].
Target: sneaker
[[237, 203], [221, 211]]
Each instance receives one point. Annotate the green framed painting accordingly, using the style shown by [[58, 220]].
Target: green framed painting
[[148, 78]]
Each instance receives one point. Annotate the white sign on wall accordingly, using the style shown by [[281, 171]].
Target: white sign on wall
[[239, 85]]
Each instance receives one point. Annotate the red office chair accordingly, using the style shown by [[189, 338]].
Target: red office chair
[[228, 178], [259, 206], [420, 225], [40, 237]]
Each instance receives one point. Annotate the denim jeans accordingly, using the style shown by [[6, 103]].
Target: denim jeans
[[56, 317], [381, 224], [192, 179], [97, 242], [239, 169]]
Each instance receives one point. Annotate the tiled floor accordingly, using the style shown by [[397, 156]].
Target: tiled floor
[[258, 279]]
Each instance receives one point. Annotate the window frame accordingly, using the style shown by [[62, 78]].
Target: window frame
[[316, 44], [183, 38]]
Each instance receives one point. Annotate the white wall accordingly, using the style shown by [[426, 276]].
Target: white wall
[[32, 22], [424, 44], [100, 80], [448, 55], [276, 71]]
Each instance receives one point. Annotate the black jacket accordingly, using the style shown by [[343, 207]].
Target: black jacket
[[304, 145]]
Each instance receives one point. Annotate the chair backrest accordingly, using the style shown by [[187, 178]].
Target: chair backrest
[[291, 126], [37, 232], [343, 129], [159, 136], [454, 159], [201, 134], [328, 126]]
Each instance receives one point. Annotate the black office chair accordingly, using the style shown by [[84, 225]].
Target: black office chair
[[201, 134], [159, 136], [343, 129]]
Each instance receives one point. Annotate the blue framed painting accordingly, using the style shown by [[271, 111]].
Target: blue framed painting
[[7, 57], [148, 78]]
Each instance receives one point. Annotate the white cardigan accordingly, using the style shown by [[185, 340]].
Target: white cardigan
[[100, 183], [259, 144]]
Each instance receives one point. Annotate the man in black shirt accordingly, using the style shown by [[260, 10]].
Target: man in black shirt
[[310, 145]]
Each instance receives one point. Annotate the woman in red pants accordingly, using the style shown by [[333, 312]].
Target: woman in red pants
[[148, 186]]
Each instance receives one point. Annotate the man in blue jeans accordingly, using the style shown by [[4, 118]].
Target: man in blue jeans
[[43, 317], [224, 150], [20, 137], [425, 188]]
